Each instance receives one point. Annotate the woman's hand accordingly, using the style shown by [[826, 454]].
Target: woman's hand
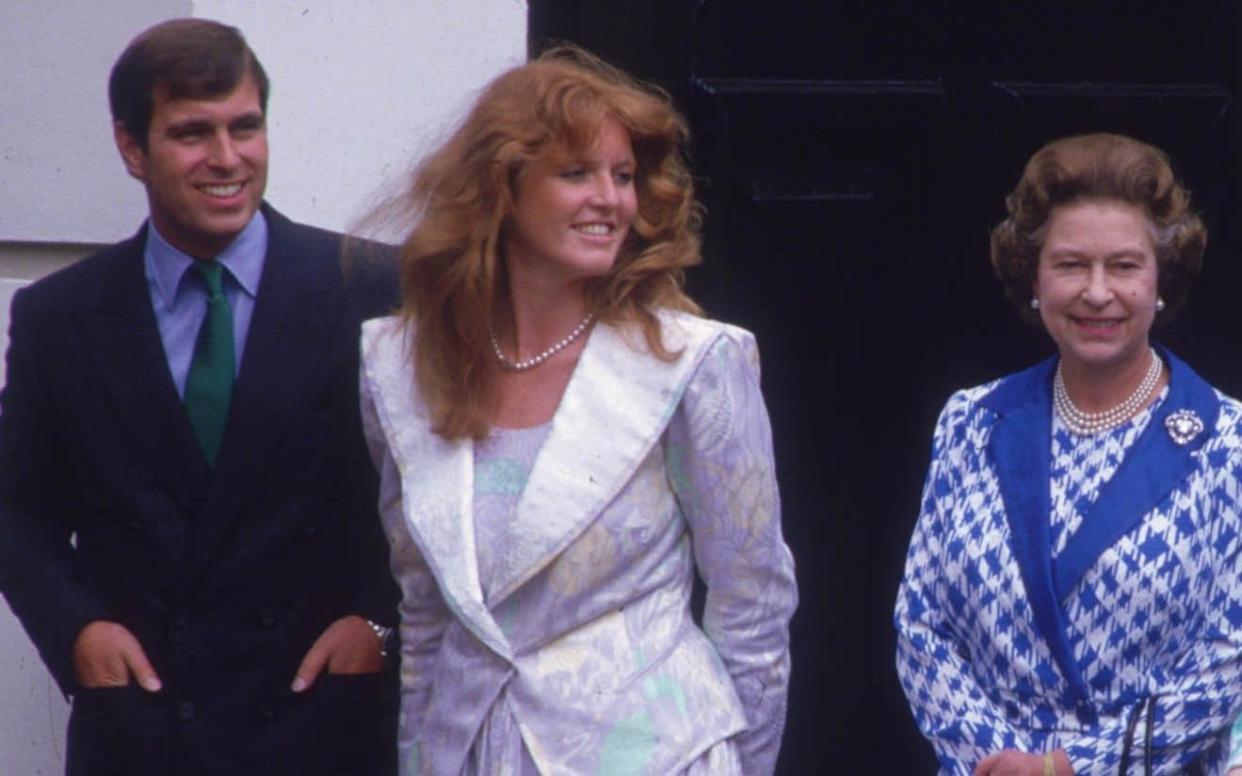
[[1011, 762]]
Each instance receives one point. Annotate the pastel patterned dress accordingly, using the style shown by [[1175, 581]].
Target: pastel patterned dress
[[1066, 592], [502, 464]]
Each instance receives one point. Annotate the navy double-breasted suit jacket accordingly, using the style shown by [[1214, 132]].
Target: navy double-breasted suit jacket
[[108, 510]]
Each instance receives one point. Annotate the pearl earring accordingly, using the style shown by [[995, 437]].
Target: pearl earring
[[1034, 303], [1159, 305]]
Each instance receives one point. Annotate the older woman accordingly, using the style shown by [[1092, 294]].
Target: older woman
[[1072, 601], [563, 441]]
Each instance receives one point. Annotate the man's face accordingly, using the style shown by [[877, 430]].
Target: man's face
[[205, 166]]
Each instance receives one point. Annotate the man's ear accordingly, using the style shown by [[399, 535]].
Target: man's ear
[[132, 153]]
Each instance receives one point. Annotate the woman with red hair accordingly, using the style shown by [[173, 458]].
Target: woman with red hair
[[563, 442]]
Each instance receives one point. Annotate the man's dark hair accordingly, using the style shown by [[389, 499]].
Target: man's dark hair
[[185, 58]]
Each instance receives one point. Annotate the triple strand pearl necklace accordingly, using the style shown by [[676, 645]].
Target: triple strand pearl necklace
[[538, 358], [1090, 423]]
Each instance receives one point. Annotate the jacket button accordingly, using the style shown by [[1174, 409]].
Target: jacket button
[[266, 712], [267, 618], [185, 710]]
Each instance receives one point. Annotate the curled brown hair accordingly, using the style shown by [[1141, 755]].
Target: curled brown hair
[[1098, 167], [463, 193]]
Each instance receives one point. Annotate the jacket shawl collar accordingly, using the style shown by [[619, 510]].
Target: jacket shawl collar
[[437, 479], [1020, 449], [614, 410]]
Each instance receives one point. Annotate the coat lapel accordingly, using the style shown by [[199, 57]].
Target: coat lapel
[[616, 389], [122, 338], [1020, 449], [294, 322], [1153, 467], [618, 392], [437, 481]]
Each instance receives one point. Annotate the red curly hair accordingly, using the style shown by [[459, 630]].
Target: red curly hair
[[452, 262]]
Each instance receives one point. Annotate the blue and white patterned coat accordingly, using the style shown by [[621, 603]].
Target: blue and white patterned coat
[[1001, 645]]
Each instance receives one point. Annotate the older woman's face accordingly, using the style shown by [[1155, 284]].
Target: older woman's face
[[572, 214], [1096, 284]]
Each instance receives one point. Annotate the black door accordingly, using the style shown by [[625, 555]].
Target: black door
[[853, 157]]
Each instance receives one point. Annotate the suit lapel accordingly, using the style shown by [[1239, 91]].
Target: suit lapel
[[294, 322], [1020, 449], [618, 393], [123, 340], [437, 481], [616, 390], [1152, 468]]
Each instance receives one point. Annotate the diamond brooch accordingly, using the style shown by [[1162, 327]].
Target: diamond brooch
[[1183, 426]]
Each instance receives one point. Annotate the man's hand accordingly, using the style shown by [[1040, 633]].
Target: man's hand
[[106, 654], [348, 646], [1013, 763]]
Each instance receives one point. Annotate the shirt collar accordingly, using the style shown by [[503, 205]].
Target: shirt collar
[[243, 259]]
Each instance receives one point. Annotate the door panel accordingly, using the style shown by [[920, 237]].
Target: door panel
[[853, 157]]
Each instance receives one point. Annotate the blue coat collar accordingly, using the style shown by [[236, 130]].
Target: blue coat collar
[[1021, 453]]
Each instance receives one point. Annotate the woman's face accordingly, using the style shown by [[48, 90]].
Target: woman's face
[[573, 212], [1096, 284]]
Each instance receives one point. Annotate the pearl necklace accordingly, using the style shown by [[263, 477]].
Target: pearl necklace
[[1091, 423], [538, 358]]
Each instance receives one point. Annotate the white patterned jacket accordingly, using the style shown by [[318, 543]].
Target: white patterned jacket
[[587, 632]]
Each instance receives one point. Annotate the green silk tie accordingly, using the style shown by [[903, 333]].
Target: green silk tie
[[209, 386]]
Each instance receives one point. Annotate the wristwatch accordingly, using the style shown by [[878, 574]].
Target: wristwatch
[[383, 633]]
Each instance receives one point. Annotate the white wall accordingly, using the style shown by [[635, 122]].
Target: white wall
[[360, 88], [59, 176], [373, 85]]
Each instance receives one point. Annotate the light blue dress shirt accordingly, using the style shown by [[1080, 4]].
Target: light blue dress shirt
[[179, 297]]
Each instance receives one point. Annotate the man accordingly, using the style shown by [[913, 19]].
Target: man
[[188, 525]]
